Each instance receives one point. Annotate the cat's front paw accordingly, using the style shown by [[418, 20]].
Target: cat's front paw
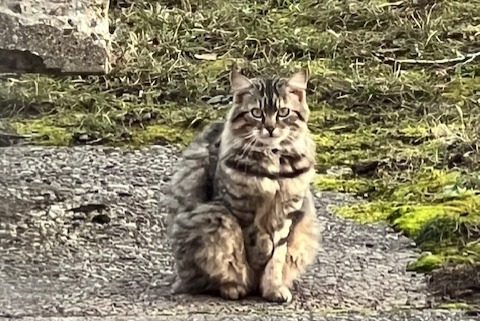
[[259, 251], [281, 294], [233, 291], [264, 249], [178, 287]]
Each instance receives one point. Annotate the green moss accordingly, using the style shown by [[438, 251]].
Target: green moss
[[329, 183], [43, 132], [429, 183], [367, 211], [448, 231], [335, 148], [431, 206], [412, 219], [427, 262], [161, 134], [212, 69], [417, 130], [461, 88]]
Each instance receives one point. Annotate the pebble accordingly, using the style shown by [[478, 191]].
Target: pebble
[[79, 191]]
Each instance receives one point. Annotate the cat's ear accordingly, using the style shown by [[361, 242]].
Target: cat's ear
[[297, 83], [239, 84], [299, 80]]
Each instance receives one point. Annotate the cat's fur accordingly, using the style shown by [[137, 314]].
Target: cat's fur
[[242, 217]]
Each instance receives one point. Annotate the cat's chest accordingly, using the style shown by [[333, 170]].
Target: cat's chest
[[270, 187], [285, 182]]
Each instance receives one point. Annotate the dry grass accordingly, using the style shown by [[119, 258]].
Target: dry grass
[[395, 111]]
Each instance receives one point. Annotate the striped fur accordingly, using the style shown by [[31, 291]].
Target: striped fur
[[242, 217]]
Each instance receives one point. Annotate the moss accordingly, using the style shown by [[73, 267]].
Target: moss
[[335, 148], [416, 130], [446, 230], [460, 88], [43, 132], [367, 211], [427, 262], [329, 183], [161, 134], [428, 183], [432, 206], [412, 219]]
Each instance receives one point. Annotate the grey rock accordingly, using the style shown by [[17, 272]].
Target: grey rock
[[54, 36], [219, 99], [215, 100], [56, 211]]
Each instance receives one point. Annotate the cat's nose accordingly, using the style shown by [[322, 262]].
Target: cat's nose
[[270, 130]]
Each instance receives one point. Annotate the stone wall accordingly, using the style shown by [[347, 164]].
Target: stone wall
[[54, 36]]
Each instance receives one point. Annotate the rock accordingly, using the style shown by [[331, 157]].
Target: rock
[[216, 100], [55, 211], [79, 191], [87, 208], [101, 219], [54, 36]]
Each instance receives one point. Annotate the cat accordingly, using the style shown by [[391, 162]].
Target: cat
[[242, 217]]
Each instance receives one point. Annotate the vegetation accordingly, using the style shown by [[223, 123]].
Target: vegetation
[[394, 93]]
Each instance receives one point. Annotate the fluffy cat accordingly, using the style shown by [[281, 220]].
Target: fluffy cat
[[242, 217]]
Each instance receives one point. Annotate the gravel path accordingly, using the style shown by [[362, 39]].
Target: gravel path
[[82, 233]]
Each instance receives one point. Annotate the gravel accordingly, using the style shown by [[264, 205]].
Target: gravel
[[405, 315], [82, 233]]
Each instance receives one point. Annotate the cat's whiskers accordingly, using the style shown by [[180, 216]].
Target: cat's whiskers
[[233, 146], [247, 149]]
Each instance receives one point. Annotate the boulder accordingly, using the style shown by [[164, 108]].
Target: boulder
[[54, 36]]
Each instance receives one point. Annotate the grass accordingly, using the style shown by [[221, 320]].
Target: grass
[[402, 136]]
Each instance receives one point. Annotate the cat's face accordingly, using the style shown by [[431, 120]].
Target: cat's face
[[269, 111]]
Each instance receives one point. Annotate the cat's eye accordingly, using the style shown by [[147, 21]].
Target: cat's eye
[[257, 112], [283, 112]]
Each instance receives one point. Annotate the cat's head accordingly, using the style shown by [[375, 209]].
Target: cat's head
[[270, 110]]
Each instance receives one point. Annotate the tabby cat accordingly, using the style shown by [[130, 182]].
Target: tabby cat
[[242, 217]]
